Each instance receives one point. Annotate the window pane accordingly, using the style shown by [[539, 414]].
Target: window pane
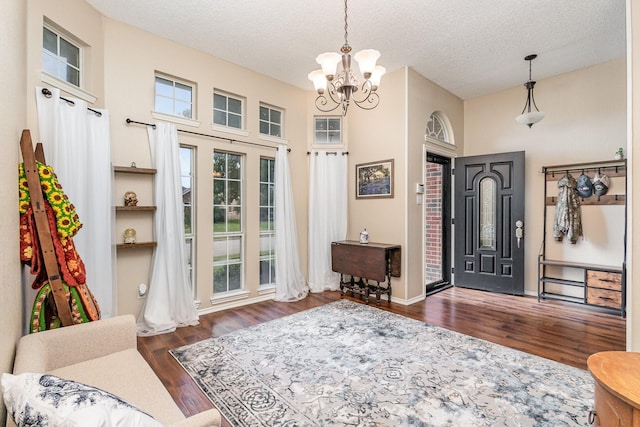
[[234, 197], [321, 124], [187, 220], [234, 217], [276, 117], [219, 220], [334, 137], [264, 194], [219, 192], [235, 121], [49, 64], [321, 138], [219, 102], [183, 92], [234, 277], [487, 217], [164, 87], [220, 279], [264, 113], [275, 130], [72, 76], [264, 170], [264, 219], [220, 117], [265, 269], [235, 106], [334, 124], [219, 165], [183, 109], [69, 52], [264, 128], [272, 167], [234, 249], [50, 41], [234, 167], [164, 105], [220, 250]]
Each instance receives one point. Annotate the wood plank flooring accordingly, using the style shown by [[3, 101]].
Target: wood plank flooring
[[561, 331]]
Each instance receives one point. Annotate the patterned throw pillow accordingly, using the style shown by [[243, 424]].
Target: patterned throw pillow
[[46, 400]]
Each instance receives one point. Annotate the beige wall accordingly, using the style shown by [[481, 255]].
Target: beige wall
[[132, 57], [375, 135], [424, 98], [585, 122], [13, 113]]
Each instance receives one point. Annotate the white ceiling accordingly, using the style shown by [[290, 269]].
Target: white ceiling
[[469, 47]]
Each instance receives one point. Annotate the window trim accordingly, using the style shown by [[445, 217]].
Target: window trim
[[194, 93], [193, 234], [272, 232], [341, 144], [282, 119], [72, 40], [230, 234], [228, 95]]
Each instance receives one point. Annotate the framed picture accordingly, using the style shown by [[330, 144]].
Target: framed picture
[[374, 180]]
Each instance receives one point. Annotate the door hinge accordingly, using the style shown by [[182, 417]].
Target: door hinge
[[453, 171], [453, 270], [453, 221]]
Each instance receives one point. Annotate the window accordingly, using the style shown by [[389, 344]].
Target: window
[[227, 110], [174, 97], [270, 121], [187, 177], [267, 233], [437, 129], [227, 222], [60, 57], [327, 130]]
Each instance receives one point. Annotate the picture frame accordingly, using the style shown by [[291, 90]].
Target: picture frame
[[375, 180]]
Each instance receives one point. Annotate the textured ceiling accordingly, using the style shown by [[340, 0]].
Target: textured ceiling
[[469, 47]]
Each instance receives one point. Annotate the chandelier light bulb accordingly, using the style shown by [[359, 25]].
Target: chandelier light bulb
[[319, 81], [376, 76], [329, 63], [366, 60]]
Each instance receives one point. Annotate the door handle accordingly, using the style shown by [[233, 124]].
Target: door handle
[[519, 232]]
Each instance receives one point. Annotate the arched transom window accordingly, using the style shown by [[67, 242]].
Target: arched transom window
[[437, 129]]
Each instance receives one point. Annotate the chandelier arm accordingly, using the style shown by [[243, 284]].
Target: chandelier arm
[[370, 101], [322, 102]]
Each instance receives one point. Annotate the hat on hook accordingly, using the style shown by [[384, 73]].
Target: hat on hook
[[584, 187], [600, 184]]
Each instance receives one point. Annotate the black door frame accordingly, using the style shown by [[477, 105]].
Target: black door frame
[[445, 282]]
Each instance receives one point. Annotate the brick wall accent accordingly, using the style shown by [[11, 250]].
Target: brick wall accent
[[433, 222]]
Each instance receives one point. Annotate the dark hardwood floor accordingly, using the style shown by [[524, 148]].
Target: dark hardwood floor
[[561, 331]]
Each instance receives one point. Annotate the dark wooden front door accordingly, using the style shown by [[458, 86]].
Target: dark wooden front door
[[489, 217]]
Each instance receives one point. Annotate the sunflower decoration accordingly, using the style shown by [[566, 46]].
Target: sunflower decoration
[[66, 216]]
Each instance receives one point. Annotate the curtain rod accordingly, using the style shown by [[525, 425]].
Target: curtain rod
[[229, 140], [344, 153], [47, 94]]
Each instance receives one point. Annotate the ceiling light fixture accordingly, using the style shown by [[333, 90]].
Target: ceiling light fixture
[[343, 86], [529, 117]]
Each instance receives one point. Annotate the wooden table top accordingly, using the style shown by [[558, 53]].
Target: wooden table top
[[619, 373]]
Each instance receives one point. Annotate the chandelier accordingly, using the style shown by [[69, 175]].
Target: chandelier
[[530, 118], [342, 88]]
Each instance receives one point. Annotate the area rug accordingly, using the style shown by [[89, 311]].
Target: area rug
[[349, 364]]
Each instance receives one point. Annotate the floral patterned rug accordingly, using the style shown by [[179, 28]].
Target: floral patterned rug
[[350, 364]]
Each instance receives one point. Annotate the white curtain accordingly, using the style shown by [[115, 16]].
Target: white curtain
[[327, 216], [290, 283], [77, 145], [169, 303]]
